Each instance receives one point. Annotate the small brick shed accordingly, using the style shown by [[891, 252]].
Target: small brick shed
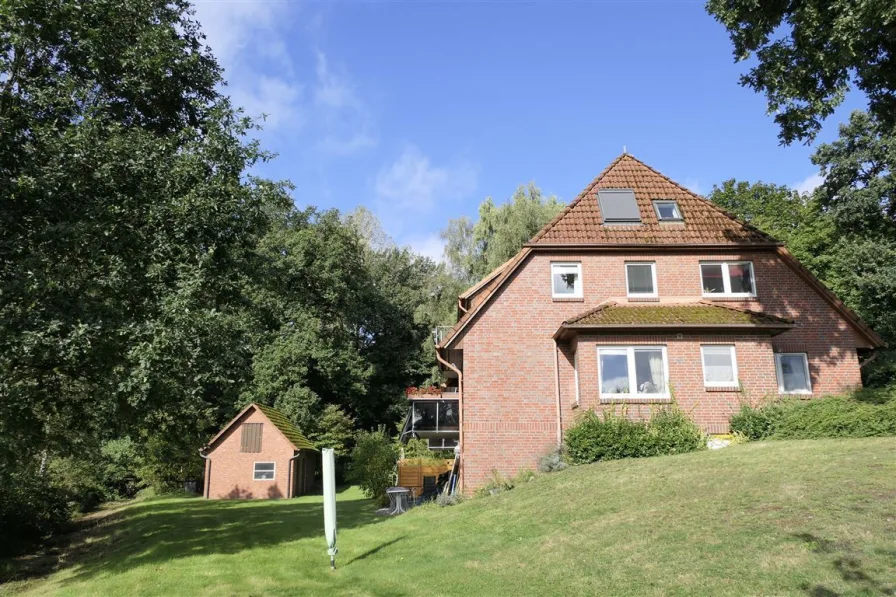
[[260, 454]]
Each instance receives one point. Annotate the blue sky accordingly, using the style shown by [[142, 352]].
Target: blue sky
[[420, 110]]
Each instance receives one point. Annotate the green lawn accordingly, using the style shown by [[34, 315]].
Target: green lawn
[[814, 518]]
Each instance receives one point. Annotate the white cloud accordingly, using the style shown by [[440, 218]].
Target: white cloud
[[809, 184], [413, 183], [431, 246], [271, 101], [331, 90]]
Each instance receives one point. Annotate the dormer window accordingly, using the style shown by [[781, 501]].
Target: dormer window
[[618, 206], [667, 210]]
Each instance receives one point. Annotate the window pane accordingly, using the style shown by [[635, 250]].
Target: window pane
[[793, 372], [264, 470], [565, 278], [649, 372], [741, 277], [712, 278], [448, 415], [619, 205], [668, 210], [613, 372], [640, 278], [424, 415], [717, 365]]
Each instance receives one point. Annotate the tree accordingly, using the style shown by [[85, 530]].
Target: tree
[[809, 52], [795, 219], [127, 223], [474, 250]]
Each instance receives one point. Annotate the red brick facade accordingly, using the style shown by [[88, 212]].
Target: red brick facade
[[510, 405], [513, 369], [229, 473]]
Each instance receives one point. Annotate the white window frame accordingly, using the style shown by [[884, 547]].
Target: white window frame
[[575, 368], [780, 373], [632, 378], [720, 384], [577, 288], [656, 209], [255, 471], [655, 292], [726, 279]]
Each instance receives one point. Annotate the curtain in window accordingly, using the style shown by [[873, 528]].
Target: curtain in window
[[649, 371], [657, 373], [717, 366]]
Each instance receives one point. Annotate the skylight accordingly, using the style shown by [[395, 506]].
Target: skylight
[[618, 206], [667, 210]]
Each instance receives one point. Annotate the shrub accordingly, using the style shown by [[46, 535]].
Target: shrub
[[552, 462], [611, 436], [32, 508], [449, 499], [373, 463], [865, 413], [496, 483], [419, 449]]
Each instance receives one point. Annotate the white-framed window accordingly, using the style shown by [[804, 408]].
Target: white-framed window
[[793, 373], [626, 372], [566, 280], [727, 278], [640, 279], [667, 210], [575, 369], [264, 471], [719, 366]]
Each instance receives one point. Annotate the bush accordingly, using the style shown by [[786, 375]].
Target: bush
[[31, 509], [865, 413], [418, 449], [449, 499], [552, 462], [611, 437], [373, 464], [496, 483]]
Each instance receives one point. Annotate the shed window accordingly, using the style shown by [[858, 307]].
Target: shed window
[[618, 206], [667, 211], [264, 471], [250, 440]]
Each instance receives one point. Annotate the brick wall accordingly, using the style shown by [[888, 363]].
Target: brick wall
[[231, 474], [510, 405]]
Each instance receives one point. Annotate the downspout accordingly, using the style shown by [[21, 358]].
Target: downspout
[[460, 305], [557, 392], [208, 472], [289, 475], [460, 406]]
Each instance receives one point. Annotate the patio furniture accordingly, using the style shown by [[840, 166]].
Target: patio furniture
[[398, 500]]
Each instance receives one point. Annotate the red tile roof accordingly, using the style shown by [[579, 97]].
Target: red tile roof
[[703, 222]]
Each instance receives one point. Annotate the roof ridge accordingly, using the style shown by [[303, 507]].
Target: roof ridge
[[547, 227], [724, 212]]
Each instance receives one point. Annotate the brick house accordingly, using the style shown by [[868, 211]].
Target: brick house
[[638, 292], [258, 455]]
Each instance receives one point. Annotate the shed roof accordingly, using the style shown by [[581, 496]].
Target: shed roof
[[277, 419]]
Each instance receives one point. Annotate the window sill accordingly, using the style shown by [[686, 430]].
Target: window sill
[[721, 388], [799, 395], [569, 299], [637, 400], [730, 297]]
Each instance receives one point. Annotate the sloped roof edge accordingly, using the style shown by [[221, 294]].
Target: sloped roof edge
[[302, 445]]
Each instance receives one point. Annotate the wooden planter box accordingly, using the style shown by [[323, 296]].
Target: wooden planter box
[[412, 471]]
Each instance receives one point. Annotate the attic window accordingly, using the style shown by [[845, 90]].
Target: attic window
[[667, 211], [618, 206]]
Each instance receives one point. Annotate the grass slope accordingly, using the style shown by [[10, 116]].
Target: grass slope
[[811, 518]]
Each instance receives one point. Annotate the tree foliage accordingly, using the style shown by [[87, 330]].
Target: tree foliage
[[475, 249], [808, 53]]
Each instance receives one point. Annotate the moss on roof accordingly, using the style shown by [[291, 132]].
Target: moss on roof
[[696, 314], [291, 432]]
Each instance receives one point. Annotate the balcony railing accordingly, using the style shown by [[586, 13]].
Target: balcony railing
[[440, 332]]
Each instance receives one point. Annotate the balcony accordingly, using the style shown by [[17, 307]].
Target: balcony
[[434, 416]]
